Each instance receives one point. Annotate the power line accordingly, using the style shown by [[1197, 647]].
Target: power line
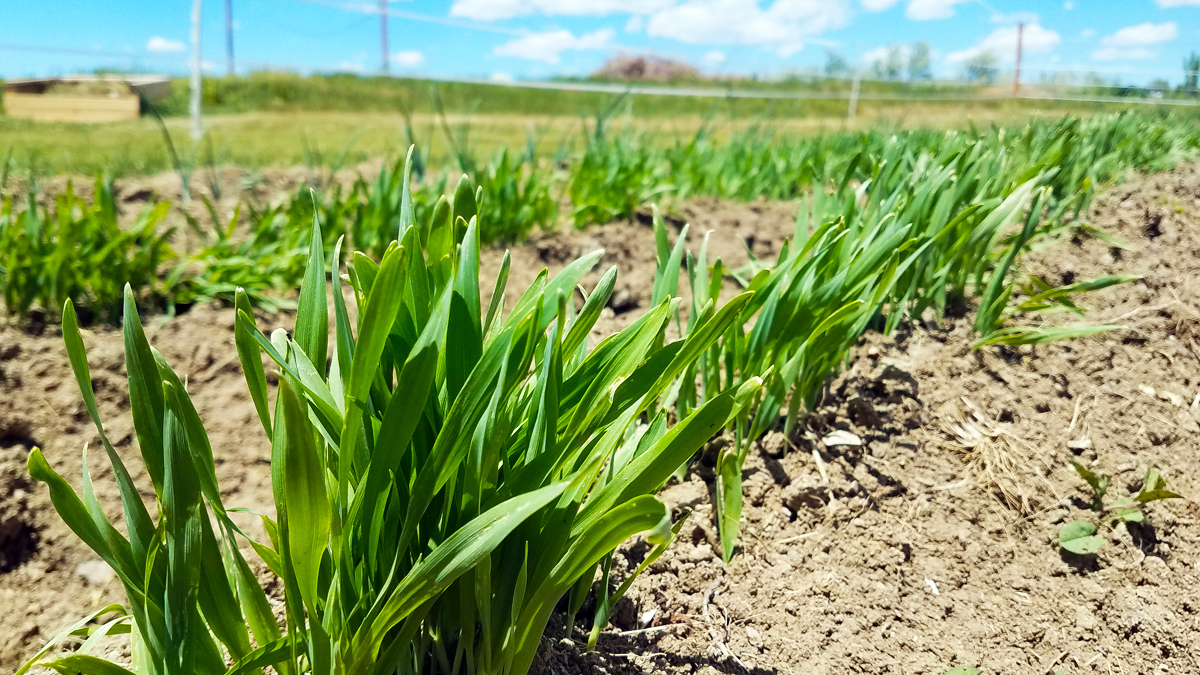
[[365, 8]]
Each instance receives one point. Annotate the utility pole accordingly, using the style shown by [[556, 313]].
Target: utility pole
[[1017, 73], [229, 35], [194, 104], [383, 32]]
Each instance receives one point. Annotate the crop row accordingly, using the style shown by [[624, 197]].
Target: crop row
[[263, 250], [446, 469]]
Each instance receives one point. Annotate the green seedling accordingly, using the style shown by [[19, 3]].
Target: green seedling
[[1079, 536], [78, 251]]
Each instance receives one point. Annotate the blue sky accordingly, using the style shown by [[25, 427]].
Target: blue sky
[[1134, 40]]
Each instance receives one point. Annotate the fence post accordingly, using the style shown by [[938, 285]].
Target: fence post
[[194, 104], [853, 111]]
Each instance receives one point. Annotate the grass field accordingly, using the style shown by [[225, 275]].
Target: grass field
[[268, 120]]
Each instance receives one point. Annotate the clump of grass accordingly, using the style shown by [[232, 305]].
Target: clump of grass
[[444, 471], [76, 251]]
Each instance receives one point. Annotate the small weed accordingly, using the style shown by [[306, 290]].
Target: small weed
[[1079, 536]]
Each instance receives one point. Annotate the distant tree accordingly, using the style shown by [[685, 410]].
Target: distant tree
[[1191, 72], [894, 67], [1158, 88], [920, 62], [981, 67], [836, 65], [878, 69]]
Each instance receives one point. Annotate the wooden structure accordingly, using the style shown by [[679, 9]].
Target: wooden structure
[[82, 98]]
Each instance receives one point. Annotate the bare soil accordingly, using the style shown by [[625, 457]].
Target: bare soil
[[930, 546]]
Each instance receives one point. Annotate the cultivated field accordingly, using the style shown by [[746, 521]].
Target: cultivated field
[[837, 410]]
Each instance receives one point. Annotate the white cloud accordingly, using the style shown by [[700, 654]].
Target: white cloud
[[550, 45], [502, 78], [351, 67], [1133, 43], [715, 58], [491, 10], [1122, 53], [1087, 32], [1016, 17], [408, 58], [928, 10], [1002, 42], [1178, 3], [1142, 35], [1068, 5], [162, 44], [635, 24], [917, 10], [782, 26]]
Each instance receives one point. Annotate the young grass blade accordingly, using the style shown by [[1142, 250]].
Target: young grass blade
[[497, 300], [729, 496], [189, 644], [308, 510], [1033, 335], [312, 314], [145, 392], [83, 664], [464, 337], [77, 517], [141, 528], [343, 349], [667, 283], [69, 632], [460, 552], [386, 296], [465, 204], [645, 473], [643, 513], [590, 312], [602, 617], [250, 358], [564, 281]]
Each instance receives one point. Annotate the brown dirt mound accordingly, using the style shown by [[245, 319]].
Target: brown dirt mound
[[909, 554]]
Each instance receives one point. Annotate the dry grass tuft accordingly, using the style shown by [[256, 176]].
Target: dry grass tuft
[[1004, 463]]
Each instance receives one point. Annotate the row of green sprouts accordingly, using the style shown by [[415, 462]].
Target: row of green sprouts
[[264, 250], [901, 244]]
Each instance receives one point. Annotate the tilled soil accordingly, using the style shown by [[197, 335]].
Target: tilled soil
[[932, 545]]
